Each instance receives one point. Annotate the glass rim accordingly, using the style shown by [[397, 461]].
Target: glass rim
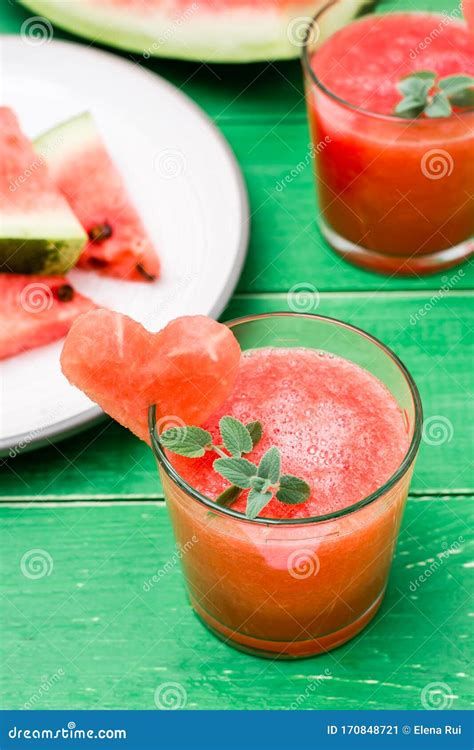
[[404, 466], [307, 68]]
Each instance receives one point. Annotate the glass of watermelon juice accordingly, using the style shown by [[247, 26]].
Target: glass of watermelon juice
[[396, 195], [346, 416]]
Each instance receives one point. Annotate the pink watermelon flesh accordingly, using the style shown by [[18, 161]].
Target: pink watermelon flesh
[[82, 169], [36, 310], [468, 12], [187, 369]]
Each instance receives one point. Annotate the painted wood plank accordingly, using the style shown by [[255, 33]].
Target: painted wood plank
[[92, 633], [432, 335]]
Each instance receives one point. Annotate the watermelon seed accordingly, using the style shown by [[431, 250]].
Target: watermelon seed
[[141, 270], [100, 232], [97, 262], [65, 293]]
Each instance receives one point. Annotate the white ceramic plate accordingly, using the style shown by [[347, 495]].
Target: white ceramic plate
[[186, 185]]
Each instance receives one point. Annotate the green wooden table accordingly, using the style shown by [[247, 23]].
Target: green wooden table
[[88, 635]]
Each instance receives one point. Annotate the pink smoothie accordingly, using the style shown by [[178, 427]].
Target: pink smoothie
[[363, 62], [336, 425]]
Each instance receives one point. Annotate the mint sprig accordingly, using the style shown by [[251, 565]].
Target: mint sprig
[[264, 481], [425, 94], [187, 441]]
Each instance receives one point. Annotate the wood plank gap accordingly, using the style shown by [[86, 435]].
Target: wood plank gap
[[247, 120], [57, 502], [396, 294]]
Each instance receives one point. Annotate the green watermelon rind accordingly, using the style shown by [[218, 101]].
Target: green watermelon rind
[[39, 232], [65, 138], [40, 256], [241, 35]]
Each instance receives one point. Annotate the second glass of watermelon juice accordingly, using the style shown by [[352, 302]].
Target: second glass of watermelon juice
[[395, 195], [301, 580]]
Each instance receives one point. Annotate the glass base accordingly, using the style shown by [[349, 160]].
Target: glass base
[[297, 649], [397, 265]]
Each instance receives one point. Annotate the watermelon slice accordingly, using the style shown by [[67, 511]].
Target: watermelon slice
[[204, 30], [83, 170], [38, 231], [187, 369], [36, 310]]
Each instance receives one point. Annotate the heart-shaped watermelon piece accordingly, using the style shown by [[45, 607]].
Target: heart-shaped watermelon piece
[[187, 369]]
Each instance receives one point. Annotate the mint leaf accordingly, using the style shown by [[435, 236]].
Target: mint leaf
[[463, 98], [238, 471], [439, 106], [186, 441], [235, 436], [259, 484], [410, 107], [425, 75], [269, 466], [256, 432], [456, 84], [293, 491], [256, 501], [417, 84], [229, 496]]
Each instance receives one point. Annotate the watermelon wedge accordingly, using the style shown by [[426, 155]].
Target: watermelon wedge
[[38, 231], [36, 310], [84, 172], [187, 369], [204, 30]]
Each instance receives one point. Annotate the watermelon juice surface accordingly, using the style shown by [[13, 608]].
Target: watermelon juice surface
[[395, 194], [336, 425], [290, 585]]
